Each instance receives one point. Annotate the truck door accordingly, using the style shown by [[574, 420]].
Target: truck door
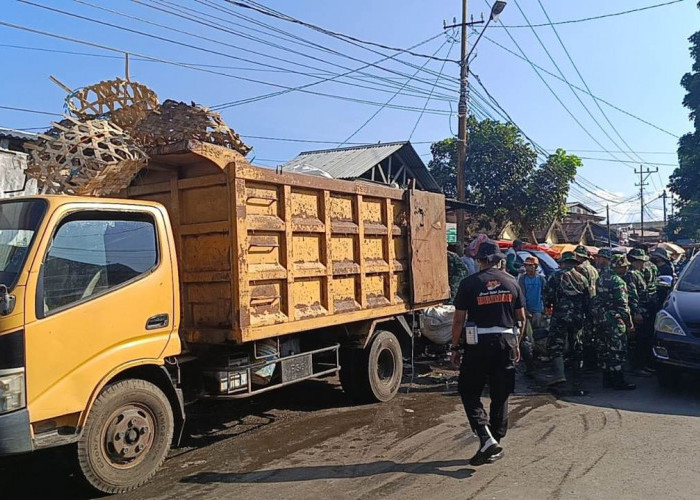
[[428, 247], [100, 296]]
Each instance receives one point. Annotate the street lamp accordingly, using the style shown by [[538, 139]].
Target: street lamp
[[496, 10]]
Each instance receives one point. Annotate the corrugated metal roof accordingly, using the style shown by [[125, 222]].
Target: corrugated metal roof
[[16, 134], [351, 162]]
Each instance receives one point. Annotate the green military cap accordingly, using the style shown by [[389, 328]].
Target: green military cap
[[638, 254], [619, 260], [569, 256], [605, 253], [582, 252]]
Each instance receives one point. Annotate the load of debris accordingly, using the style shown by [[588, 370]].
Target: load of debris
[[102, 143]]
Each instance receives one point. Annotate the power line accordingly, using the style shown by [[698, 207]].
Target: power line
[[278, 15], [578, 98], [213, 72], [35, 111], [594, 18], [625, 161], [571, 60], [388, 102], [617, 108], [427, 101]]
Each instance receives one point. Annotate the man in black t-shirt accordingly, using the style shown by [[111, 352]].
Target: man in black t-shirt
[[491, 300]]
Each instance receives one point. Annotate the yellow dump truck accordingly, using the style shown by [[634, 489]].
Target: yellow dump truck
[[206, 278]]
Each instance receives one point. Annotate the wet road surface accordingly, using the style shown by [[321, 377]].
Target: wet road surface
[[309, 441]]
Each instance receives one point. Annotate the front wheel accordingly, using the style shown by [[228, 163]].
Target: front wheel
[[126, 437]]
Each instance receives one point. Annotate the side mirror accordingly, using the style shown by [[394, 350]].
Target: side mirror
[[7, 301], [665, 281]]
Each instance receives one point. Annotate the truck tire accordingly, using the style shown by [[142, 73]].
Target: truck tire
[[126, 437], [374, 373]]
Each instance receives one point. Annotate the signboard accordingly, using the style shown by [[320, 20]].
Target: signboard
[[451, 232]]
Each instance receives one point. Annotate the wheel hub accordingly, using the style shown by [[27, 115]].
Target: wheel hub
[[129, 434]]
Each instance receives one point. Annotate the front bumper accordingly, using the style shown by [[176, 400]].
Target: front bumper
[[681, 352], [15, 433]]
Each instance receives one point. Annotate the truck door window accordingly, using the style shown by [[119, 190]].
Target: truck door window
[[92, 253]]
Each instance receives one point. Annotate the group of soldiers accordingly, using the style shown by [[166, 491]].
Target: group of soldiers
[[603, 311]]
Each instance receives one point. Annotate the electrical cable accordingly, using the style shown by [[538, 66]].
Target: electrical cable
[[272, 13], [387, 102], [594, 18], [427, 101]]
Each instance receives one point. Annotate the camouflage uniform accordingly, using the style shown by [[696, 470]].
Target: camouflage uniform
[[645, 334], [637, 291], [590, 342], [567, 292], [612, 314], [456, 272]]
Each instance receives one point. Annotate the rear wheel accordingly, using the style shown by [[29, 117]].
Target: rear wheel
[[126, 437], [668, 377], [374, 373]]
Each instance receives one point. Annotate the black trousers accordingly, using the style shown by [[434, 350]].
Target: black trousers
[[492, 362]]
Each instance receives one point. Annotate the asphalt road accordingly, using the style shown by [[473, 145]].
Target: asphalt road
[[308, 441]]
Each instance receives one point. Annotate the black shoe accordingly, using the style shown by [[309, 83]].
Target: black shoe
[[483, 456]]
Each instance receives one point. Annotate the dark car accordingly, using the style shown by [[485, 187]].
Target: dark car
[[677, 327]]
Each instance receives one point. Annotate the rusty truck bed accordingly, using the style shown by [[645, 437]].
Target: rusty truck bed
[[263, 253]]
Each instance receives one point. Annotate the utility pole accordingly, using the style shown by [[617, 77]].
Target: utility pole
[[607, 213], [643, 176], [664, 197], [462, 111]]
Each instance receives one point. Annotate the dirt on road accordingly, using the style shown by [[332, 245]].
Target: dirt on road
[[309, 441]]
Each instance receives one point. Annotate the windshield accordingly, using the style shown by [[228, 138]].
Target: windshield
[[19, 221], [690, 279]]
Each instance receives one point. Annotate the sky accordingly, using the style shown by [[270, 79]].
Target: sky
[[217, 52]]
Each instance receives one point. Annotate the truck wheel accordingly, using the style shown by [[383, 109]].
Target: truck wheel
[[126, 437], [668, 377], [372, 374]]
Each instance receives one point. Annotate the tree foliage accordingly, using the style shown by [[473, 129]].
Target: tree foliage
[[502, 175], [685, 180]]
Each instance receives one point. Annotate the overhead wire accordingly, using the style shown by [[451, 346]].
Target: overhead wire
[[211, 71], [595, 18], [432, 89], [387, 102], [578, 98]]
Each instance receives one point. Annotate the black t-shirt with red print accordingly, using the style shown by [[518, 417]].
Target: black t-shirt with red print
[[490, 298]]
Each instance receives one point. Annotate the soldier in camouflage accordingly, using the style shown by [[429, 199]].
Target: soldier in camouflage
[[591, 274], [613, 319], [637, 291], [567, 293], [640, 261], [456, 272]]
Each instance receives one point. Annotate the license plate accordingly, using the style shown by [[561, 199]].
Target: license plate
[[296, 368]]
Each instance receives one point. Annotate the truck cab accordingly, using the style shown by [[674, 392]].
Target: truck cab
[[89, 296]]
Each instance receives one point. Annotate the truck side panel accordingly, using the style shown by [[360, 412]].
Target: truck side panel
[[264, 253]]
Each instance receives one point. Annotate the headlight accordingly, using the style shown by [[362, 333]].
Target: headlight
[[11, 390], [666, 324]]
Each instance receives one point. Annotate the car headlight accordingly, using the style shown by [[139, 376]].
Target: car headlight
[[665, 323], [11, 390]]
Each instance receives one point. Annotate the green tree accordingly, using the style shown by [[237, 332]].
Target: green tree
[[503, 176], [685, 180]]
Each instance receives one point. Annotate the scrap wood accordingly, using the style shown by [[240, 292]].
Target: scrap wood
[[84, 157], [176, 121]]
